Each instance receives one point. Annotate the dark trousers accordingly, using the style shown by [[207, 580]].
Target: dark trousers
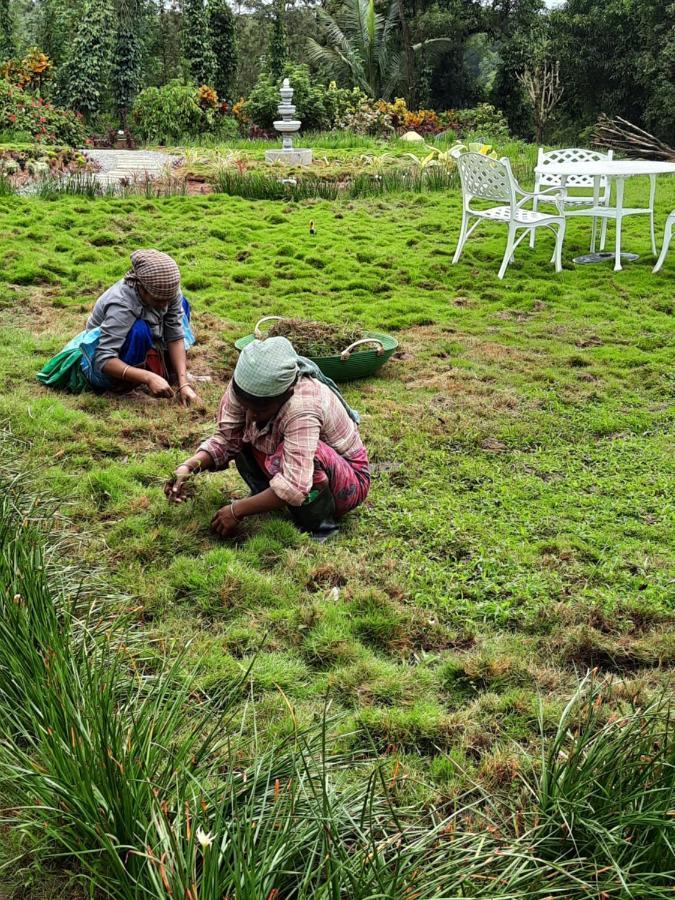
[[317, 517]]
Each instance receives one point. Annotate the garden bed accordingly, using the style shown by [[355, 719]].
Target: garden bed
[[22, 165]]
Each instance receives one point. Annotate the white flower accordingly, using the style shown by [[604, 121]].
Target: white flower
[[205, 838]]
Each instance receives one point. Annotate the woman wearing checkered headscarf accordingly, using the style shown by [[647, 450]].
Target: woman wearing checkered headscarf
[[137, 334]]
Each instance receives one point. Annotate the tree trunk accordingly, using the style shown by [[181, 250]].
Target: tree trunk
[[411, 98]]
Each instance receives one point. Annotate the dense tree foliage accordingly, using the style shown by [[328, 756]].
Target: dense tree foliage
[[6, 31], [198, 54], [223, 38], [361, 46], [126, 57], [86, 73], [615, 56], [277, 56], [618, 57]]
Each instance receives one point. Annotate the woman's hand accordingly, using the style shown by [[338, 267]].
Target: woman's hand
[[158, 386], [175, 488], [187, 396], [224, 522]]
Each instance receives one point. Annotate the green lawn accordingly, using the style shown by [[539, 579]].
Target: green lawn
[[520, 524]]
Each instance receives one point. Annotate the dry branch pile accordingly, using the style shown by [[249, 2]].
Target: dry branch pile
[[624, 137]]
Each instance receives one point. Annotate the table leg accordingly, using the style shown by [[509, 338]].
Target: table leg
[[619, 216], [596, 201], [652, 193]]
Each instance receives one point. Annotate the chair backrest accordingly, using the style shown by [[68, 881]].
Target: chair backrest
[[569, 155], [485, 178]]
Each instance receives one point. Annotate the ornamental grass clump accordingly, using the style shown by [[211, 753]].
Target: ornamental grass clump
[[605, 794], [92, 743]]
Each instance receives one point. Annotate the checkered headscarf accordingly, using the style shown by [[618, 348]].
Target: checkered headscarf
[[267, 368], [157, 272]]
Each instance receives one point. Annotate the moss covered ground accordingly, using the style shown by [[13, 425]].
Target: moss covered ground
[[520, 524]]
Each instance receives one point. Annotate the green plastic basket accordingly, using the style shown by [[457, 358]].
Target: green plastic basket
[[348, 365]]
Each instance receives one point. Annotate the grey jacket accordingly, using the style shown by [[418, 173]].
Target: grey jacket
[[116, 311]]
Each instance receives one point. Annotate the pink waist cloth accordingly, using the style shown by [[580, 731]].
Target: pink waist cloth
[[348, 479]]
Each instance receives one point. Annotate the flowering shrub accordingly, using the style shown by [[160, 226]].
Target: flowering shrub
[[208, 98], [48, 124], [30, 72], [397, 111], [448, 119], [177, 110], [423, 121], [369, 117], [240, 114], [166, 114], [381, 119], [34, 162], [340, 101]]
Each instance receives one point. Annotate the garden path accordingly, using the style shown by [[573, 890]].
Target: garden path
[[130, 164]]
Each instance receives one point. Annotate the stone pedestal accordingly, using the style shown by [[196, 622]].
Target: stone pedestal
[[295, 157]]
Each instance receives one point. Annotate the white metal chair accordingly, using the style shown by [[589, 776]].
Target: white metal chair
[[484, 178], [573, 155], [667, 234]]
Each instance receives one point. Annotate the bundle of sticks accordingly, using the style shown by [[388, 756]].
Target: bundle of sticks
[[624, 137]]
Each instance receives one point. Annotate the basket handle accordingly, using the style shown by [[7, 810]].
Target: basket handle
[[257, 332], [344, 356]]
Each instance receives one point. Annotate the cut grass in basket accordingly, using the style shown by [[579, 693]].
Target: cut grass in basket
[[316, 338]]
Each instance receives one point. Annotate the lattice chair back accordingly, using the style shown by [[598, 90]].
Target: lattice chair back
[[570, 155], [485, 178]]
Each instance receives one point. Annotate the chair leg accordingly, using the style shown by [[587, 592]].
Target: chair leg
[[462, 236], [508, 253], [668, 233], [617, 248], [559, 239], [535, 207], [603, 233]]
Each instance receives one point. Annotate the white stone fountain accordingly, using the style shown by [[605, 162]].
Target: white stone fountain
[[287, 127]]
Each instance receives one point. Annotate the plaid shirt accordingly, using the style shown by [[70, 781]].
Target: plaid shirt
[[312, 414]]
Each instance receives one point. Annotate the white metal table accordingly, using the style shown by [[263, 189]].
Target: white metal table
[[619, 170]]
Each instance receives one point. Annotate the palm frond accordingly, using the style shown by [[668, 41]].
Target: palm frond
[[356, 18], [358, 41], [334, 34], [392, 76]]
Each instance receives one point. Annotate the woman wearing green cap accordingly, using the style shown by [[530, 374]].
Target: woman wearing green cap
[[293, 438]]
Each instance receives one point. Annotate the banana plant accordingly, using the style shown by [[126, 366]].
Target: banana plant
[[446, 158], [472, 147]]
